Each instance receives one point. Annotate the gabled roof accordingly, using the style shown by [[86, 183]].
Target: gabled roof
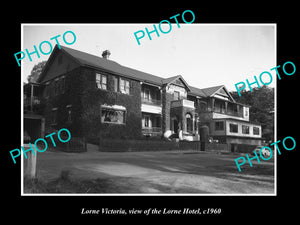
[[170, 79], [197, 92], [86, 59], [174, 78], [210, 91]]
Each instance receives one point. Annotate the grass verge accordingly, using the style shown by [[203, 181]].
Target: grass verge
[[65, 184]]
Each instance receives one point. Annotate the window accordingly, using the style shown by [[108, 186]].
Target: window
[[109, 115], [124, 86], [219, 125], [101, 81], [233, 128], [147, 121], [256, 130], [246, 111], [189, 122], [245, 129], [222, 107], [176, 95], [147, 94]]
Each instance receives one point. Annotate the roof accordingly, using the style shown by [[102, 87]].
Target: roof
[[197, 92], [211, 90], [172, 79], [89, 60], [206, 92], [86, 59]]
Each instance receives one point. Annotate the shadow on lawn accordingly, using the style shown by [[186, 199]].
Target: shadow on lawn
[[65, 184]]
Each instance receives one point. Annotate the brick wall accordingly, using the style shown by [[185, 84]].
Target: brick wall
[[166, 105]]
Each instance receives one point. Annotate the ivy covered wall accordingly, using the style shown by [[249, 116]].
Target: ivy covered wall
[[59, 102], [85, 99], [91, 100]]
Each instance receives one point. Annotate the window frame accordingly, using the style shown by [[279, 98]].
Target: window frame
[[114, 110], [146, 96], [219, 128], [147, 121], [125, 87], [245, 129], [99, 82], [231, 126], [189, 122], [177, 92], [256, 128]]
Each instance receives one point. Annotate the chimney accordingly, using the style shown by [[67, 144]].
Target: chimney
[[106, 54]]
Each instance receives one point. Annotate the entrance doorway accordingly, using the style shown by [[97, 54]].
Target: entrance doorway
[[175, 126]]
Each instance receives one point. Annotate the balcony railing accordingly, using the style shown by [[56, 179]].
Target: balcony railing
[[32, 101], [230, 113], [182, 103], [151, 101]]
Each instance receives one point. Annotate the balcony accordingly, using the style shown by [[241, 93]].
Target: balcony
[[31, 101], [33, 105], [151, 101], [217, 114], [228, 112], [182, 103], [151, 106], [219, 109]]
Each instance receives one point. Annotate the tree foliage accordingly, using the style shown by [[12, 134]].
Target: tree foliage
[[261, 102], [36, 71]]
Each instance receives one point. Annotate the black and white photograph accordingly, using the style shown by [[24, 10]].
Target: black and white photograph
[[131, 112], [158, 114]]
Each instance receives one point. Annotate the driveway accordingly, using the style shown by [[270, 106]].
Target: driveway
[[165, 172]]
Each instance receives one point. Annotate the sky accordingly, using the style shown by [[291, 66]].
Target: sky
[[204, 55]]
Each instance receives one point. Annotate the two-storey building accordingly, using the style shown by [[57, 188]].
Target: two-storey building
[[228, 121], [99, 98]]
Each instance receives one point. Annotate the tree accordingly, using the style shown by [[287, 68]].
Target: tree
[[261, 101], [36, 71]]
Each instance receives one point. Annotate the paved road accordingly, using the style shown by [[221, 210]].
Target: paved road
[[161, 172]]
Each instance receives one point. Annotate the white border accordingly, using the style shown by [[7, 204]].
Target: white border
[[22, 114], [143, 194]]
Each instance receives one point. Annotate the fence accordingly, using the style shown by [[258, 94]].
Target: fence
[[217, 147], [75, 144], [230, 147]]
